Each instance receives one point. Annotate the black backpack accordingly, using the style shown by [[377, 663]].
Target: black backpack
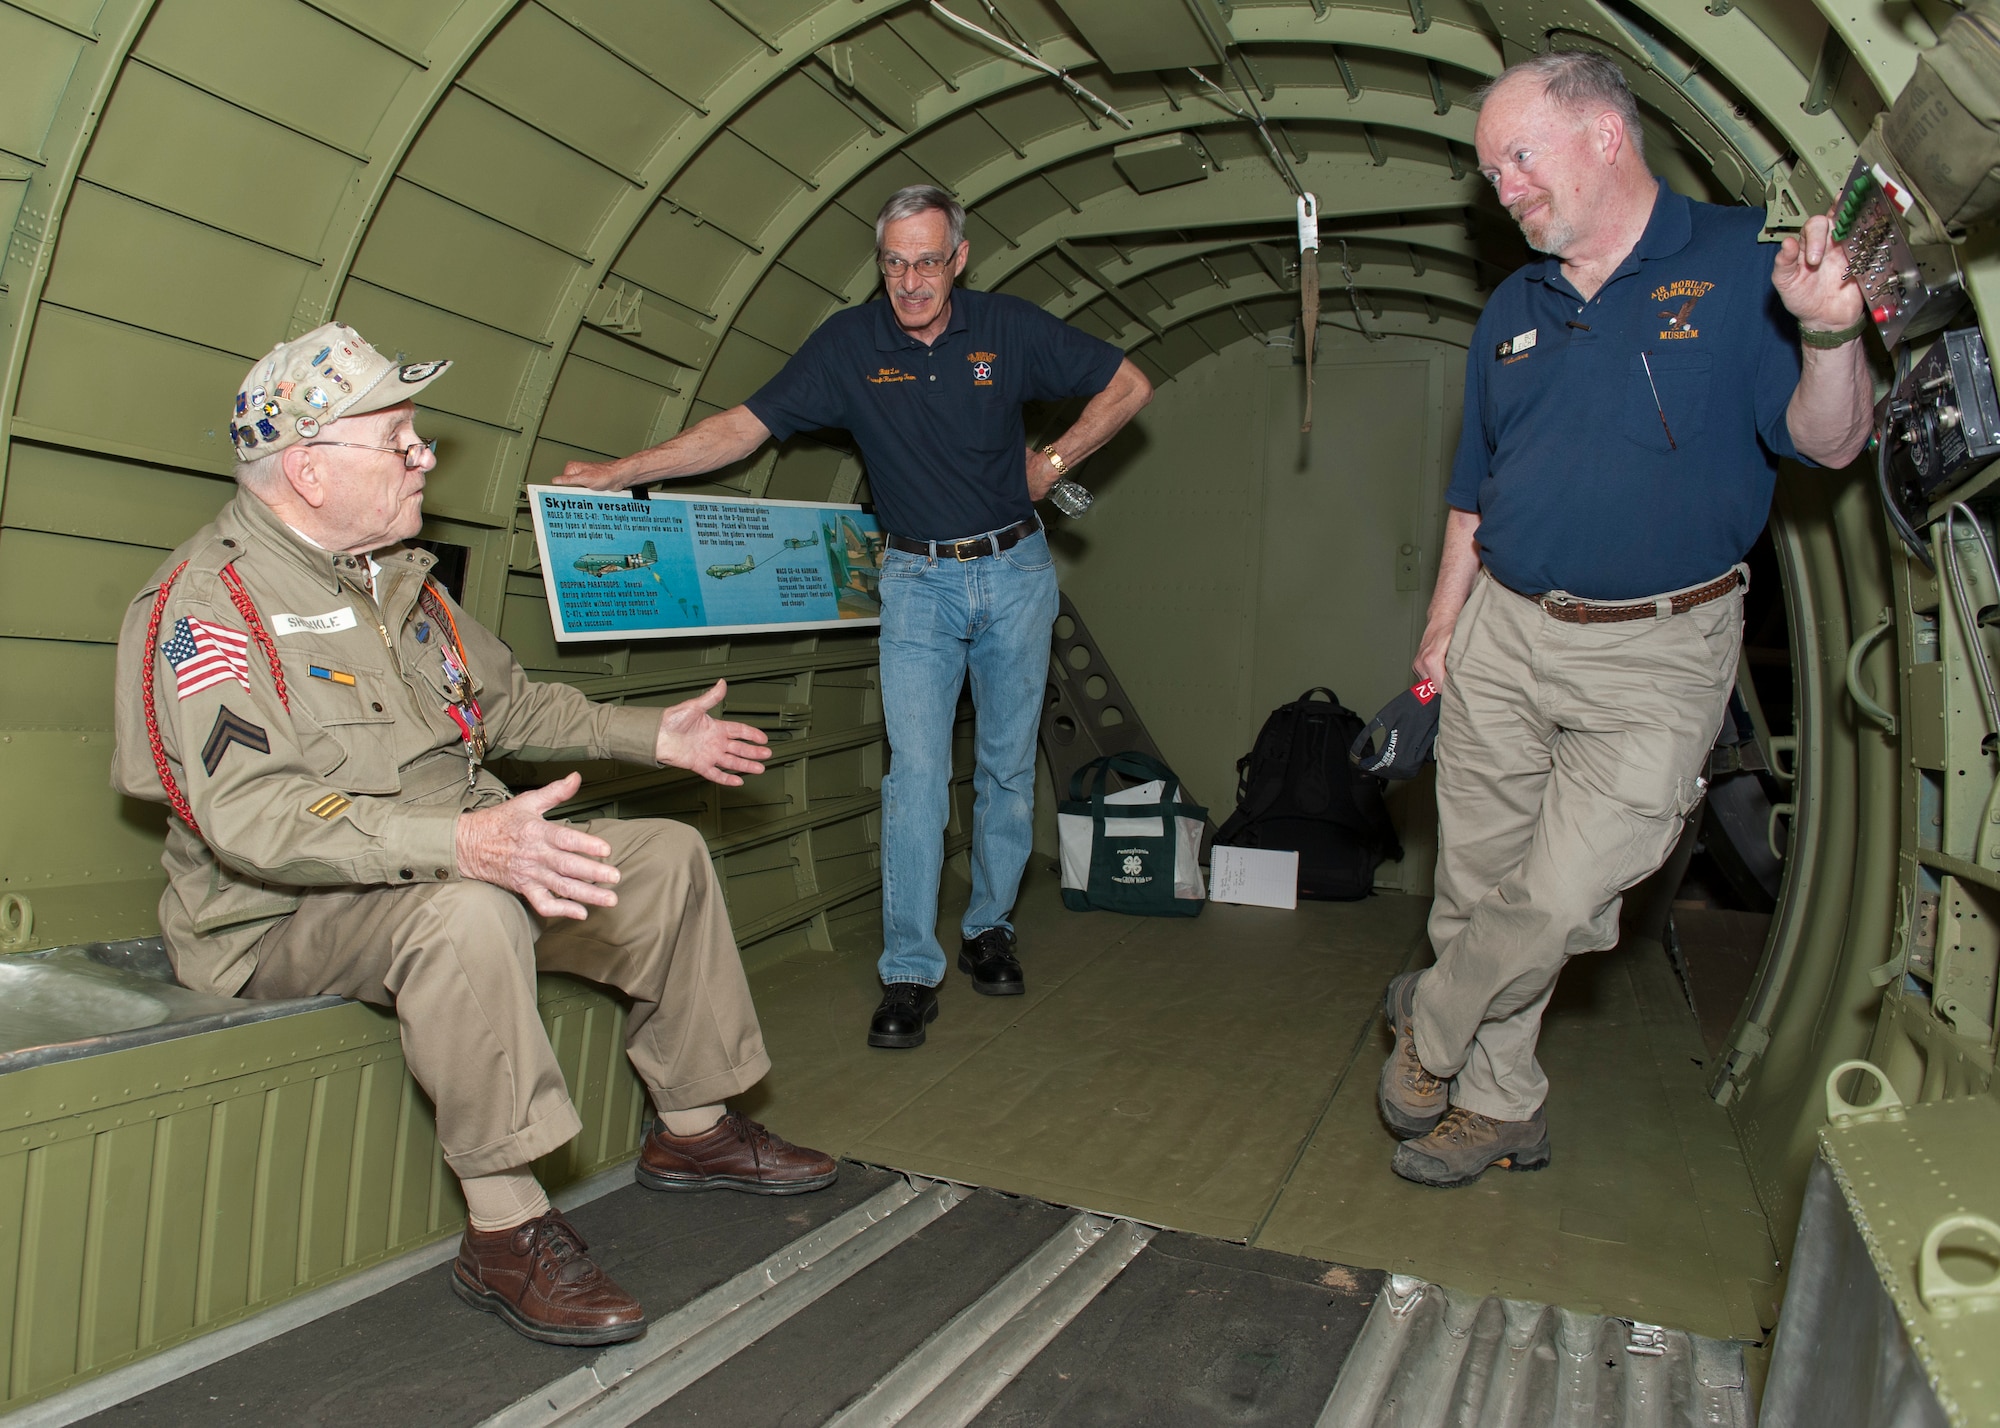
[[1297, 789]]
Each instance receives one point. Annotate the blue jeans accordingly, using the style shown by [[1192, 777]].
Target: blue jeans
[[943, 618]]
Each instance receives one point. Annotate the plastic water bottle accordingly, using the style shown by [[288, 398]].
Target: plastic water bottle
[[1070, 498]]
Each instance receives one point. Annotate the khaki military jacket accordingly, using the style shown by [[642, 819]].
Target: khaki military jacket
[[360, 781]]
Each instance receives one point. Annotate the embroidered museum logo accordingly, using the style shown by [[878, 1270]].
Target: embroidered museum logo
[[1680, 316], [982, 367]]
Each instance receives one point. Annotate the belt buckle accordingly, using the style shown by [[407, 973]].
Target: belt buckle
[[959, 547]]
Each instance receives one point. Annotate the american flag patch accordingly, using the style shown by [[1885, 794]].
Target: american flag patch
[[203, 654]]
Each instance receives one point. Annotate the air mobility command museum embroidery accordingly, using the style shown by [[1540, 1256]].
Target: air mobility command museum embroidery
[[1680, 316]]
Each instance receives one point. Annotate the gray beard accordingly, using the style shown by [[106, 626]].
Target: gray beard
[[1556, 236]]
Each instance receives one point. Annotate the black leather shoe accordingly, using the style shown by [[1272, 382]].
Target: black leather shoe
[[989, 960], [907, 1008]]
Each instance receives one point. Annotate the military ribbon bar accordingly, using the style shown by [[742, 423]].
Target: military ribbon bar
[[203, 654]]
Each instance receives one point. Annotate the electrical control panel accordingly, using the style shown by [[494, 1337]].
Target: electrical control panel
[[1944, 420], [1911, 292]]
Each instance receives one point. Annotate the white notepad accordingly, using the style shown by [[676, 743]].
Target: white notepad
[[1262, 877]]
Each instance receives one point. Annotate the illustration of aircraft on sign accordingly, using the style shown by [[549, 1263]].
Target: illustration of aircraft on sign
[[751, 562], [602, 565]]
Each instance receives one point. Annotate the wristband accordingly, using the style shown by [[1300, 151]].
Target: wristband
[[1826, 341], [1055, 460]]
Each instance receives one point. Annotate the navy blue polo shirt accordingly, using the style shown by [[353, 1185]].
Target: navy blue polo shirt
[[939, 426], [1564, 453]]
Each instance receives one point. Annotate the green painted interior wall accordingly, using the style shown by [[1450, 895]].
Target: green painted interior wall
[[618, 215]]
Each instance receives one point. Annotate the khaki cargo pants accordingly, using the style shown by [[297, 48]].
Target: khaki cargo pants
[[457, 962], [1568, 759]]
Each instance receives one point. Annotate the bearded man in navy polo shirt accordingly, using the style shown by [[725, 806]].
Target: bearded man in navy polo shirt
[[930, 383], [1627, 400]]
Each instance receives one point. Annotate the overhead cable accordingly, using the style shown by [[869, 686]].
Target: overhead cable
[[1354, 298], [1028, 57]]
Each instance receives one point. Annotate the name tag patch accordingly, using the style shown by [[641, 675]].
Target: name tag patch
[[327, 624], [1515, 346]]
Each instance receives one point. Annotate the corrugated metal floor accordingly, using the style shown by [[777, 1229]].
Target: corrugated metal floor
[[1429, 1356]]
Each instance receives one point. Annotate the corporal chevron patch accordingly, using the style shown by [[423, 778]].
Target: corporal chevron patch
[[329, 807], [231, 728]]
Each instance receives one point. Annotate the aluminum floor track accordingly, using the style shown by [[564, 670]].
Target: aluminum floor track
[[900, 1300]]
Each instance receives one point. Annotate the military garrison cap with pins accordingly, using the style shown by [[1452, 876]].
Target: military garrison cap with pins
[[315, 380]]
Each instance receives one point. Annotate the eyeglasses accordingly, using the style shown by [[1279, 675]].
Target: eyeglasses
[[413, 455], [928, 266]]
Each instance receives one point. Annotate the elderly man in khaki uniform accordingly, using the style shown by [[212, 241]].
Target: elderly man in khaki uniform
[[315, 710]]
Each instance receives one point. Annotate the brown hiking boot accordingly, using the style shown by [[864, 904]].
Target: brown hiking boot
[[735, 1154], [537, 1277], [1409, 1097], [1465, 1143]]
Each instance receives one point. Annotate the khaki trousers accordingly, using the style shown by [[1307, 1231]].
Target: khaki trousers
[[457, 962], [1568, 760]]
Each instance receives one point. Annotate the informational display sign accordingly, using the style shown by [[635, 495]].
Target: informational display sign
[[622, 568]]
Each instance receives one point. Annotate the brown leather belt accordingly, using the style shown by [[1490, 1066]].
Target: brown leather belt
[[1575, 611], [970, 549]]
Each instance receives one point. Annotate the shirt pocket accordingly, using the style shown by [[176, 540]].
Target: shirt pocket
[[347, 735], [1670, 385]]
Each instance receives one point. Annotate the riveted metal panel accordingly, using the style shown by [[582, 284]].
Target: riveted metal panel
[[444, 254], [54, 684], [525, 626], [1026, 115], [40, 58], [76, 493], [784, 310], [174, 145], [172, 416], [142, 265], [680, 258], [833, 248], [535, 65], [799, 124], [485, 158], [114, 1245], [742, 364], [601, 408], [228, 47], [153, 1193], [690, 46], [469, 456], [865, 196], [488, 365], [31, 560], [729, 183], [958, 146], [77, 834], [408, 25]]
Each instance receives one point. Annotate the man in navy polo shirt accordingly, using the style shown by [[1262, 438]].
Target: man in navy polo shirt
[[930, 382], [1627, 400]]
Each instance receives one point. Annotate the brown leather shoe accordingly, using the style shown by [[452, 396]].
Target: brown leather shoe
[[736, 1154], [537, 1277]]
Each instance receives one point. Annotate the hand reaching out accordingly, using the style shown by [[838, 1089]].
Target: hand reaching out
[[691, 738], [560, 871]]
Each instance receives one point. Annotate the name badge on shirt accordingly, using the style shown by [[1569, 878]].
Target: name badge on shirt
[[331, 621], [1515, 346]]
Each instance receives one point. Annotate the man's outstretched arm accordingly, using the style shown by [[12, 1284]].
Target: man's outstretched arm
[[706, 446]]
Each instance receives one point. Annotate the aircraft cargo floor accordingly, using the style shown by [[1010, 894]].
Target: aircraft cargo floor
[[1217, 1075], [1165, 1087]]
